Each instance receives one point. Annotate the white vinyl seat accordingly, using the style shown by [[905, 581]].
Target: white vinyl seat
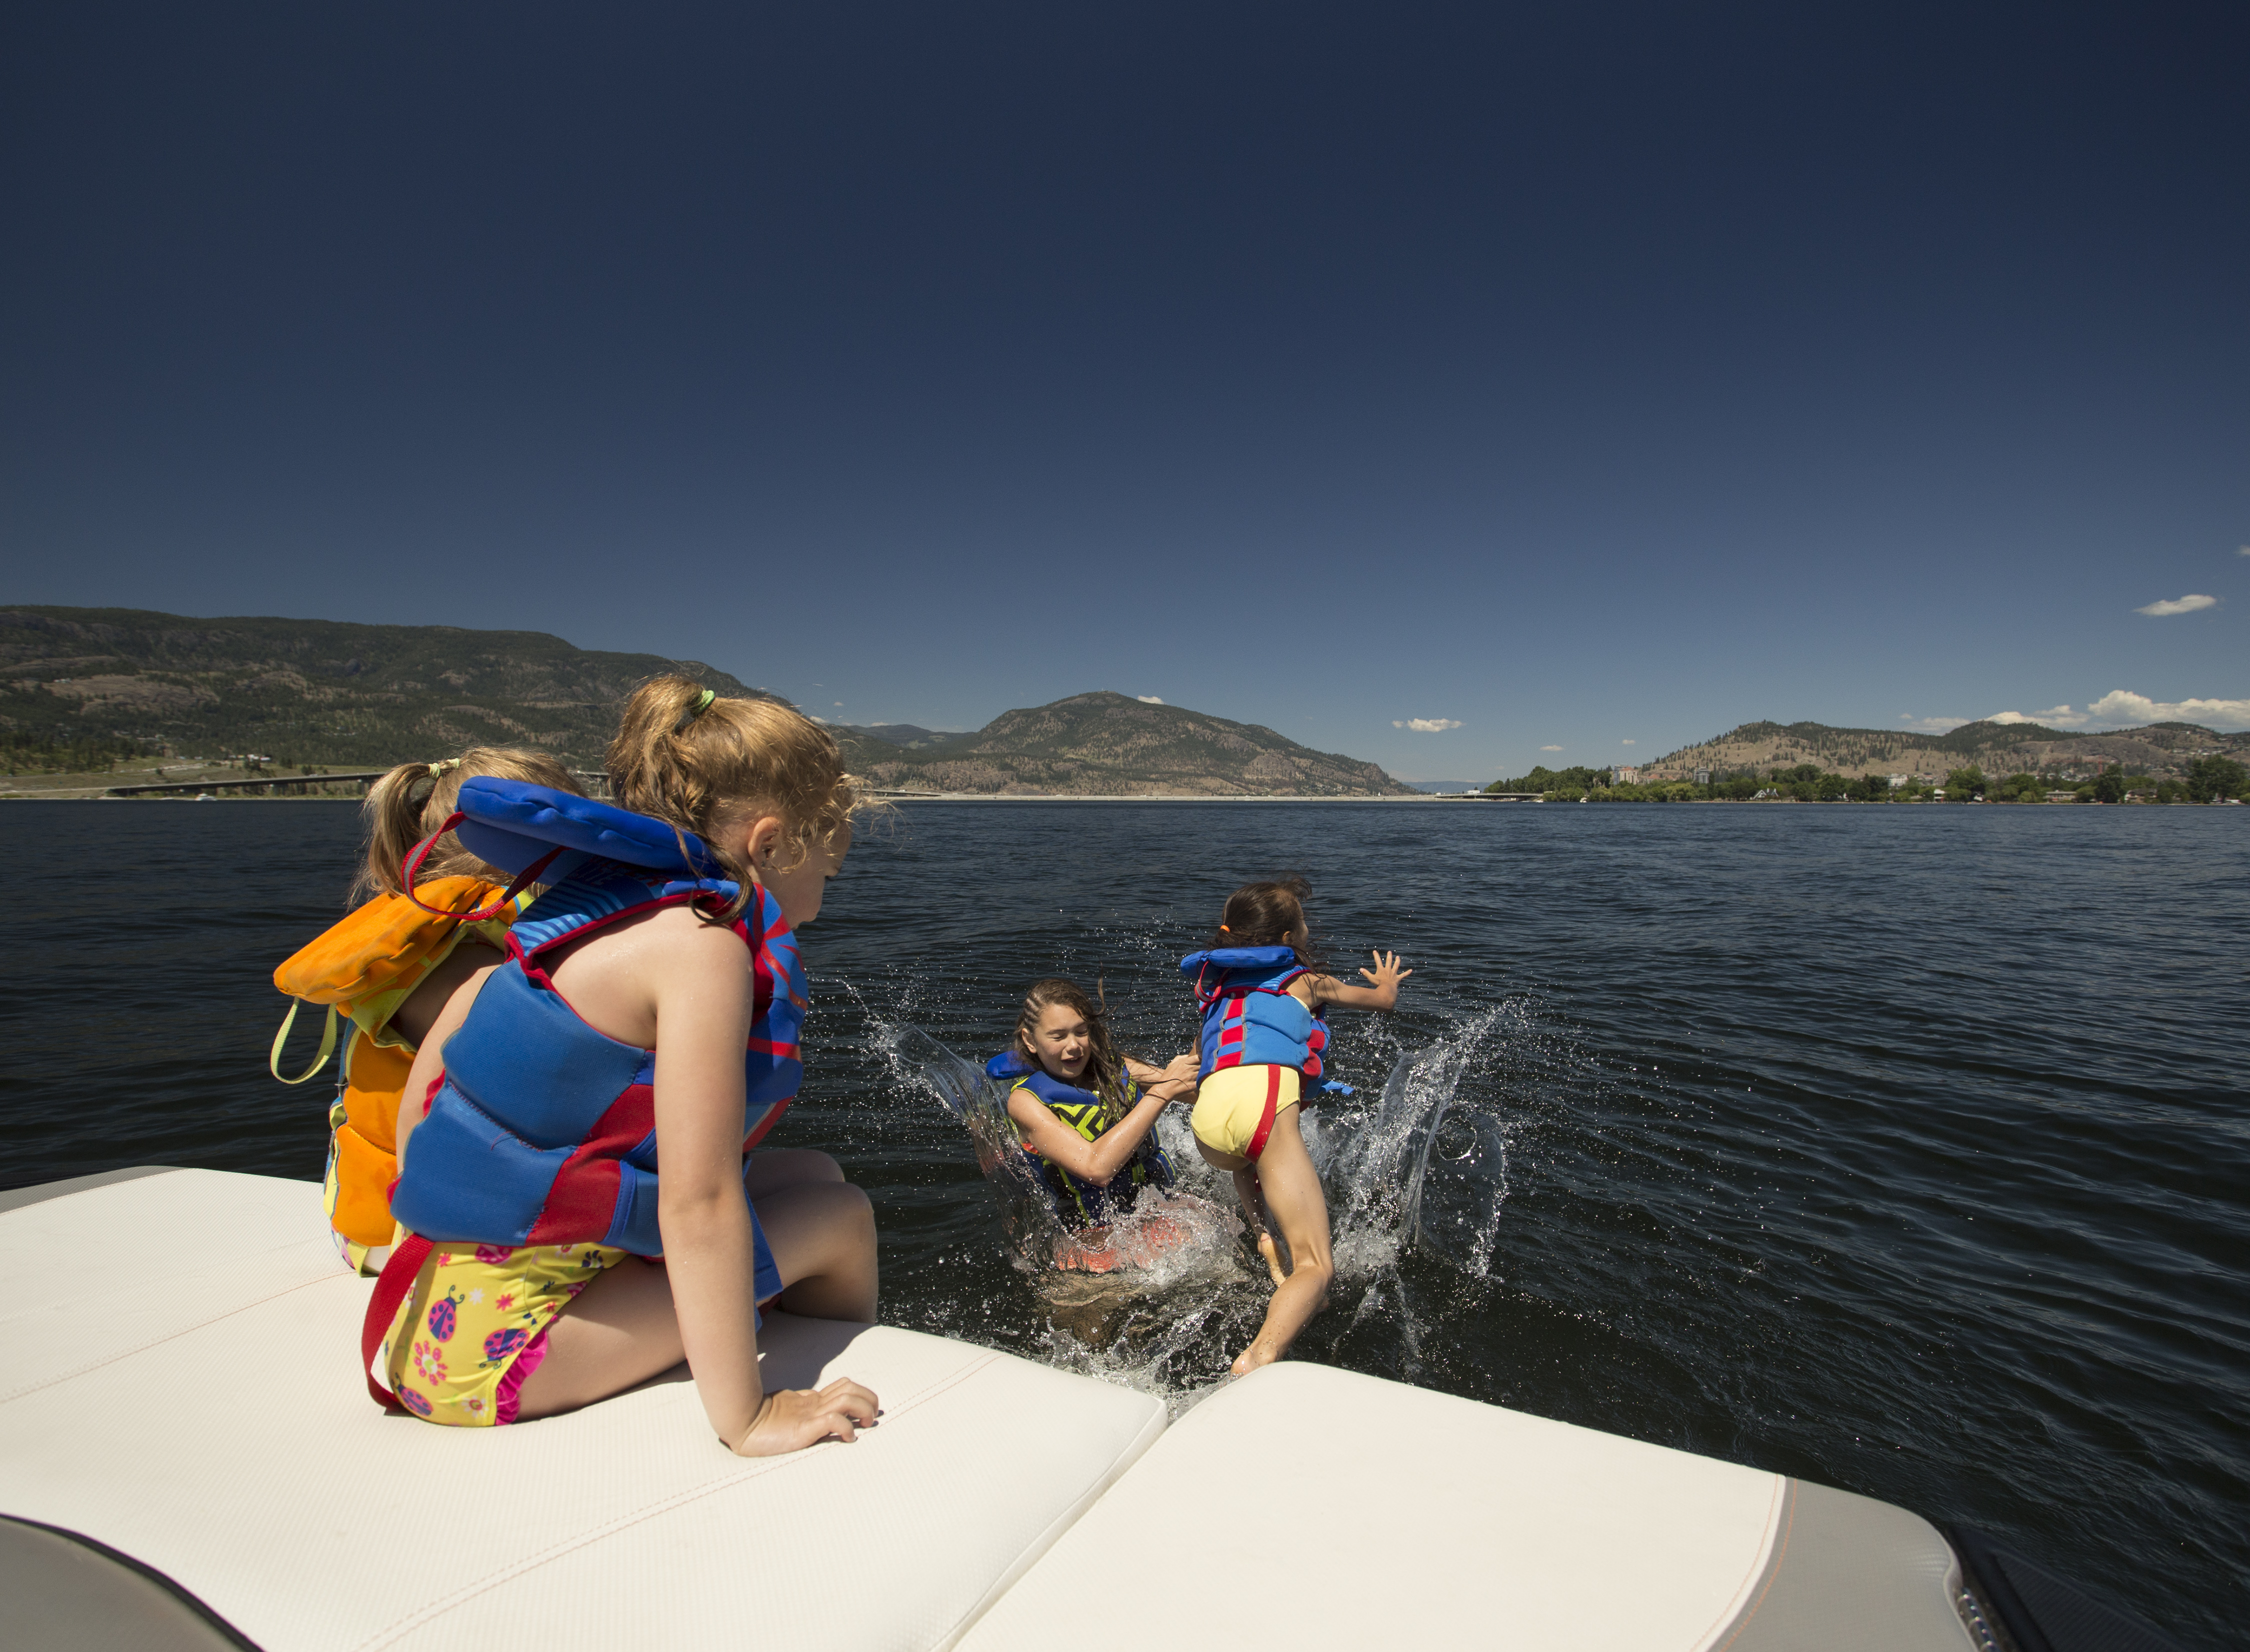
[[178, 1382], [1313, 1508]]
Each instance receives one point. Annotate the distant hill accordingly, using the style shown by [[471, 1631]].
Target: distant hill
[[2161, 749], [1105, 743], [299, 691], [897, 734], [95, 683]]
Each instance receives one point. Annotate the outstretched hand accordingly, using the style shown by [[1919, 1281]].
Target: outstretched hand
[[1181, 1070], [1386, 974], [791, 1419]]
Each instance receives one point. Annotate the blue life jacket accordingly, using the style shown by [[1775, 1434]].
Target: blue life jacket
[[1080, 1203], [543, 1130], [1250, 1017]]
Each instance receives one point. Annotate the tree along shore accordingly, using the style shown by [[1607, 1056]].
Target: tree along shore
[[2209, 780]]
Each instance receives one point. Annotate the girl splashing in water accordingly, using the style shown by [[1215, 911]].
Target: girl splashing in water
[[1085, 1114], [637, 1008], [1263, 1034]]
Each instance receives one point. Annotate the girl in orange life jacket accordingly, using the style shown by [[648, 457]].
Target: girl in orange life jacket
[[579, 1317], [1084, 1112], [1262, 1002], [388, 969]]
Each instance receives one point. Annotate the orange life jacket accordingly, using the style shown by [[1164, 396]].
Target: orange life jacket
[[362, 970]]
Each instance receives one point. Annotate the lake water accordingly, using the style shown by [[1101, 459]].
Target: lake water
[[1902, 1149]]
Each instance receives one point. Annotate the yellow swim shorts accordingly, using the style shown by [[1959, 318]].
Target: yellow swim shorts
[[474, 1326], [1235, 1109]]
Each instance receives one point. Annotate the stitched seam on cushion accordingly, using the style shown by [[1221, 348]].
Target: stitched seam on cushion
[[1773, 1571], [1048, 1536], [158, 1342], [556, 1550]]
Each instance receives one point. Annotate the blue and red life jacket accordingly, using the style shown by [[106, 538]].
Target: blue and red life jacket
[[543, 1130], [1080, 1203], [1250, 1017]]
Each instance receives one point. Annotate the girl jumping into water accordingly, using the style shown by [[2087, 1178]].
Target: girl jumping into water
[[1263, 1005], [545, 1264]]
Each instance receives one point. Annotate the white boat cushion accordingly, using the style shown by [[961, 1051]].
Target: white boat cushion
[[1309, 1507], [178, 1380]]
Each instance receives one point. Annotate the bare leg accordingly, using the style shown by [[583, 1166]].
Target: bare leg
[[1291, 1189], [621, 1329], [1253, 1205], [784, 1167]]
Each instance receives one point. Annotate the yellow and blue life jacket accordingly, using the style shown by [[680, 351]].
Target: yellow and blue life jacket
[[1079, 1203]]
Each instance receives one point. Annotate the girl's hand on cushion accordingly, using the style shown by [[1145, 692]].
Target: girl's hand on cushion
[[791, 1419]]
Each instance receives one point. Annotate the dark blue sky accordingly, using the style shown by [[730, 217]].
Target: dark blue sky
[[1583, 375]]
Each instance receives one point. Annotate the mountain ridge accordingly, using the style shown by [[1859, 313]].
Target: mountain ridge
[[1103, 743], [83, 687], [2159, 749], [319, 691]]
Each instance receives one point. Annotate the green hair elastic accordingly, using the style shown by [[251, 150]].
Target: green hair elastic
[[696, 707]]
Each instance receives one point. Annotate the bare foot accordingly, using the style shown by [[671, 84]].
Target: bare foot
[[1251, 1358], [1272, 1253]]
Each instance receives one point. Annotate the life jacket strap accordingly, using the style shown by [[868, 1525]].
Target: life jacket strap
[[524, 878], [328, 1044], [1266, 1118], [391, 1290]]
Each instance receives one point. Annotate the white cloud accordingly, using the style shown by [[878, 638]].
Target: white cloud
[[1551, 748], [2244, 551], [2121, 705], [2177, 605], [2052, 717], [1426, 725], [1633, 743], [1149, 699], [1932, 725]]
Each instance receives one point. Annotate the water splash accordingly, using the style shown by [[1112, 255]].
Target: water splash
[[1427, 1169], [1421, 1171]]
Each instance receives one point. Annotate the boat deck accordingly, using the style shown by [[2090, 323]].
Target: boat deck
[[177, 1389]]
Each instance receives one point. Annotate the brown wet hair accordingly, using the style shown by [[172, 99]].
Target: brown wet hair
[[1105, 1068], [1266, 914]]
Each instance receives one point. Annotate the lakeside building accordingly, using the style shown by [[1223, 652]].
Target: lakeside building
[[1626, 774]]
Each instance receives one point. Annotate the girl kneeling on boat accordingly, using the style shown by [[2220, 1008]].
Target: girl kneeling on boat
[[651, 996], [1085, 1114]]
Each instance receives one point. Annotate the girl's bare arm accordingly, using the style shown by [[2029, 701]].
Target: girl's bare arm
[[703, 1010], [1177, 1077], [1096, 1161], [1380, 993]]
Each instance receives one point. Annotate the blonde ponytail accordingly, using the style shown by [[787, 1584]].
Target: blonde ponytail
[[414, 799], [708, 765]]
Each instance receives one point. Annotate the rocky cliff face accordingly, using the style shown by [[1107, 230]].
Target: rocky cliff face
[[1105, 743]]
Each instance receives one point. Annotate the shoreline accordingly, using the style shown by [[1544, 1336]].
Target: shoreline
[[62, 795]]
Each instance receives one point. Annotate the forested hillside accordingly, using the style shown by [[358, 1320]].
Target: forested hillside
[[78, 686]]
